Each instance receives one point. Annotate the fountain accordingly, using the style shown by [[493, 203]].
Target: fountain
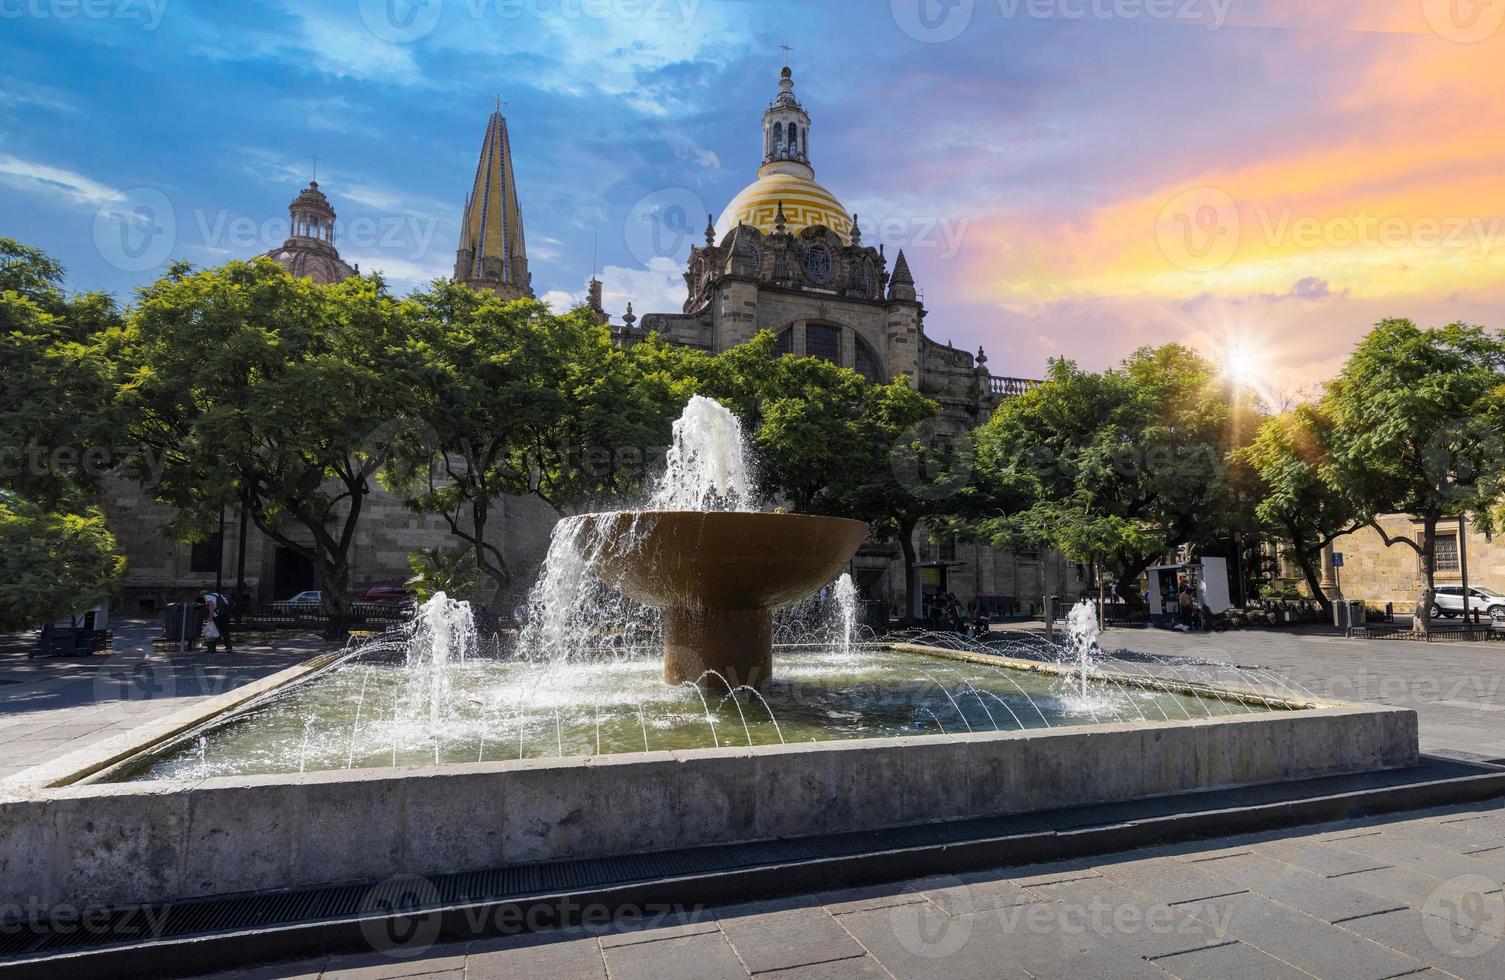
[[701, 553]]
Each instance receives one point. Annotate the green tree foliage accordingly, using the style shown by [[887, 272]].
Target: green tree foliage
[[435, 570], [248, 384], [513, 400], [1288, 456], [1118, 468], [56, 556], [1415, 428]]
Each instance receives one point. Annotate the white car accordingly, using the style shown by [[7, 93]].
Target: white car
[[1448, 601]]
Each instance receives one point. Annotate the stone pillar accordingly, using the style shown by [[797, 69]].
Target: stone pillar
[[903, 329]]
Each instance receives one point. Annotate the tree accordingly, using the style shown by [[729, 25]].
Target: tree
[[1289, 454], [1118, 468], [53, 564], [56, 556], [515, 401], [1414, 430], [250, 384]]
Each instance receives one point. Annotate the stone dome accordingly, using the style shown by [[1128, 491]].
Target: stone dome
[[805, 203]]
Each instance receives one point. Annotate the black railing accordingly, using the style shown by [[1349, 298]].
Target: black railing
[[371, 617]]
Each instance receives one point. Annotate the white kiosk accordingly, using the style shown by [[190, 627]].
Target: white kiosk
[[1209, 576]]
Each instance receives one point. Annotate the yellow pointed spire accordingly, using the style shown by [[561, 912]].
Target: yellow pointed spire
[[492, 254]]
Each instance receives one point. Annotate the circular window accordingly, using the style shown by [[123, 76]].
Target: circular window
[[818, 263]]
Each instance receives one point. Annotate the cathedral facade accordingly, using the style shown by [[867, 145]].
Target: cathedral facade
[[784, 255]]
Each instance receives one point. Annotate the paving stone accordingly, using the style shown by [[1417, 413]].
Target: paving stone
[[920, 941], [1171, 882], [866, 898], [379, 966], [1234, 959], [970, 893], [1402, 885], [703, 957], [1322, 859], [653, 929], [1407, 852], [1305, 942], [1127, 920], [1052, 872], [1453, 947], [779, 940], [1326, 898], [290, 970], [547, 956], [864, 966]]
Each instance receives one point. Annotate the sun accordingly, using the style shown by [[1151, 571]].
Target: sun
[[1244, 367]]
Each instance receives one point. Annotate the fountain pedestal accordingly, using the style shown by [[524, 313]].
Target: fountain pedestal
[[717, 575]]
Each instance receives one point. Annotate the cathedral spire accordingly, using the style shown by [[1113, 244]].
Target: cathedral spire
[[901, 283], [492, 255]]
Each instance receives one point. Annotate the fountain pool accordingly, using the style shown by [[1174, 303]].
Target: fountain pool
[[375, 710]]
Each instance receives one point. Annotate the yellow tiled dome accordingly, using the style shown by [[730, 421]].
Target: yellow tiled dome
[[806, 203]]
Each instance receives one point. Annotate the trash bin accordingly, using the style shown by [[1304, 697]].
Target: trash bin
[[180, 616], [1350, 614]]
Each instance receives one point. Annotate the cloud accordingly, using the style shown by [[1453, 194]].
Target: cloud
[[41, 178]]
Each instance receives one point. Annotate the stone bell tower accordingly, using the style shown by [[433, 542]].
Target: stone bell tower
[[492, 255]]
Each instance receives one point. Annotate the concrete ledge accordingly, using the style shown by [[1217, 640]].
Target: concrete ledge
[[92, 845]]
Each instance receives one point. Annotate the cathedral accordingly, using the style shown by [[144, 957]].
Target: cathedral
[[784, 255]]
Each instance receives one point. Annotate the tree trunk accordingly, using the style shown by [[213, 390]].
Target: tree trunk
[[911, 573], [1127, 582], [1313, 575], [1423, 622]]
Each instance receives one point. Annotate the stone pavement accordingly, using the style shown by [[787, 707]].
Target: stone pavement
[[1456, 688], [50, 706], [1415, 894]]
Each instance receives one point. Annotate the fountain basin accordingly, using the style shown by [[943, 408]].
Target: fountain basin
[[717, 575]]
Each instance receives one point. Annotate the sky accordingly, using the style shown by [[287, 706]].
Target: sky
[[1260, 179]]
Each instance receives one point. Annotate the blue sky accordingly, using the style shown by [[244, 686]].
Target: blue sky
[[1030, 165]]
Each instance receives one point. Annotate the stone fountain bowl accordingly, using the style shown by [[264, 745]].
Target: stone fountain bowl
[[717, 575]]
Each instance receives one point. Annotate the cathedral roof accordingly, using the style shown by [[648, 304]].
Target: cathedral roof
[[805, 203], [307, 259]]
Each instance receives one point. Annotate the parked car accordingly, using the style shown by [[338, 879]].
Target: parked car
[[389, 592], [1448, 601], [310, 598]]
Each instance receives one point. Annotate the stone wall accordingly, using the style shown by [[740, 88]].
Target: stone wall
[[1378, 575]]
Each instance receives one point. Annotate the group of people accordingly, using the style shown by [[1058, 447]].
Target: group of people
[[946, 612]]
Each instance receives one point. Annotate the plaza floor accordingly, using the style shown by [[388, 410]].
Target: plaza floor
[[51, 706]]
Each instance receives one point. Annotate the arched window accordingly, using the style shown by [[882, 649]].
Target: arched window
[[823, 341], [794, 140], [784, 343], [776, 144], [866, 363]]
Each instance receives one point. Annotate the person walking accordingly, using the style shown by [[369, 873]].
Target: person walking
[[216, 622]]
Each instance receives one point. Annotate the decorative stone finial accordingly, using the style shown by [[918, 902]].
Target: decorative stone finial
[[710, 231], [779, 219]]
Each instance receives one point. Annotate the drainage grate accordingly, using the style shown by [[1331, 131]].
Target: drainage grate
[[134, 926]]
